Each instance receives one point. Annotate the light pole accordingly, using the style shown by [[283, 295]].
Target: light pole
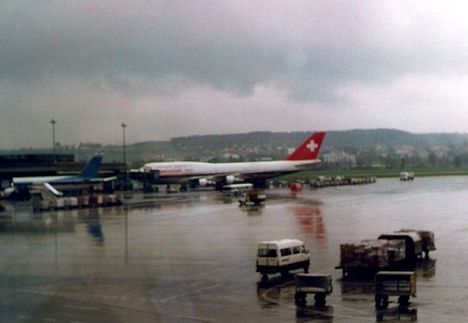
[[124, 154], [124, 148], [53, 122]]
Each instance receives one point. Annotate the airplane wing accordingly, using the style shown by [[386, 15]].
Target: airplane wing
[[104, 179], [84, 180]]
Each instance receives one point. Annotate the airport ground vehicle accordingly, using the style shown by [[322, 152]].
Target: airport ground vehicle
[[427, 240], [318, 284], [252, 197], [391, 251], [406, 176], [281, 256], [413, 243], [236, 189], [46, 197], [394, 283]]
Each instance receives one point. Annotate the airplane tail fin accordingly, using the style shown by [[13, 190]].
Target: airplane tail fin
[[309, 149], [91, 169]]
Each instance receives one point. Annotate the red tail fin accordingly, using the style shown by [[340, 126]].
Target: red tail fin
[[309, 149]]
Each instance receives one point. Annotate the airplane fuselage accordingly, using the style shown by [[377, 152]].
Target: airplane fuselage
[[304, 157], [181, 172], [47, 179]]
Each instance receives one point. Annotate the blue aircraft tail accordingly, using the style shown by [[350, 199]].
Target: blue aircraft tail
[[91, 169]]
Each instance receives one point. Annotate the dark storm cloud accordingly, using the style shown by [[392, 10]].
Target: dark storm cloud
[[69, 59], [231, 47], [153, 41]]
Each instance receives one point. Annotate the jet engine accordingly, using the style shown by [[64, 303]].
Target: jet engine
[[205, 182], [231, 179], [202, 182]]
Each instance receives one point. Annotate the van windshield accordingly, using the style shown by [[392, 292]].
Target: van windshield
[[267, 252]]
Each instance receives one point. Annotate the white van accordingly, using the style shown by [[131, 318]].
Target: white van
[[281, 256]]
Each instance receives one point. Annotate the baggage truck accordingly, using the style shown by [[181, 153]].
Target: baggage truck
[[427, 240], [366, 257], [389, 252], [413, 243]]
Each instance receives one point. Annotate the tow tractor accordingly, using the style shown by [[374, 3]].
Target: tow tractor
[[318, 284]]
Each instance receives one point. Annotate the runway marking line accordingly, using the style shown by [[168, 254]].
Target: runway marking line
[[23, 317], [79, 307], [189, 293]]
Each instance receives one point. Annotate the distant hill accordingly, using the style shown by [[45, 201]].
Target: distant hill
[[338, 139], [270, 145], [364, 139]]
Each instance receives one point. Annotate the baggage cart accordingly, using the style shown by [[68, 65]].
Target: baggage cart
[[318, 284], [394, 283]]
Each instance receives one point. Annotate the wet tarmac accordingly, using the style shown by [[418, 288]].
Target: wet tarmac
[[190, 257]]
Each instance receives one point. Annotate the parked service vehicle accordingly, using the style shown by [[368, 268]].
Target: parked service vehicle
[[252, 197], [318, 284], [406, 176], [427, 240], [281, 256], [394, 283], [413, 243], [390, 251]]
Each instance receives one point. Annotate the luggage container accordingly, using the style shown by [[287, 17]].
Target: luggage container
[[117, 199], [390, 251], [112, 199], [95, 200], [59, 203], [83, 201], [108, 200], [39, 204], [71, 202], [366, 257]]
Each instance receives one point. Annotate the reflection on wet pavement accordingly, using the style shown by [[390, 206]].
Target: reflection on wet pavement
[[191, 257], [311, 221]]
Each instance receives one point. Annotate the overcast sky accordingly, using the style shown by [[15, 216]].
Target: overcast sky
[[175, 68]]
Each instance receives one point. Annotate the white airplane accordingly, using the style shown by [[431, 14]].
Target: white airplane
[[219, 174], [89, 174]]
